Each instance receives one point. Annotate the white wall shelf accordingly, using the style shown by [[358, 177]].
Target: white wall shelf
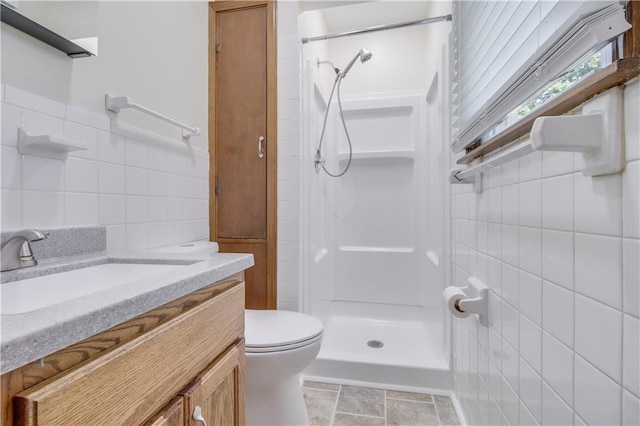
[[398, 156], [47, 145]]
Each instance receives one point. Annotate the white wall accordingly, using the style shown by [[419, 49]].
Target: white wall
[[139, 180], [313, 22], [289, 190], [399, 60], [155, 52], [403, 59], [560, 252], [437, 35]]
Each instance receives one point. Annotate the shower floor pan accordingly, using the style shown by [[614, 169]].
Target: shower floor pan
[[411, 358]]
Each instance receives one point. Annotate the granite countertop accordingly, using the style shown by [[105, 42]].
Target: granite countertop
[[29, 336]]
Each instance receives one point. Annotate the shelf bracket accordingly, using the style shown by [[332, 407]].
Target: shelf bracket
[[597, 134]]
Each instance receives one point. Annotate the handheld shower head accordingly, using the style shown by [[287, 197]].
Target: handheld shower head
[[364, 56]]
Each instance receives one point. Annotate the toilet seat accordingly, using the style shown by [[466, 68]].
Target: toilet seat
[[258, 350], [275, 331]]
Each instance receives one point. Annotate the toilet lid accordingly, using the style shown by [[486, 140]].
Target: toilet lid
[[268, 329]]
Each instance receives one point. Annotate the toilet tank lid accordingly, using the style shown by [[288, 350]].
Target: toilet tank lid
[[269, 328]]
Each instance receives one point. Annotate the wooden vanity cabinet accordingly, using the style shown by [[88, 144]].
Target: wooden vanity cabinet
[[172, 415], [152, 370], [217, 395]]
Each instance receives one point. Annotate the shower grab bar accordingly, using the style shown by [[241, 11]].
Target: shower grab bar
[[116, 103], [378, 28]]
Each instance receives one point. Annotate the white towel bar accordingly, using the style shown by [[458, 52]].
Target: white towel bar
[[116, 103]]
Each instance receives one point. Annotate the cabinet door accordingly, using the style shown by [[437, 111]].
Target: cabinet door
[[172, 415], [240, 122], [217, 397]]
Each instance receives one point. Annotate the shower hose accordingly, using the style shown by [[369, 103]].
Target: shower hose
[[318, 160]]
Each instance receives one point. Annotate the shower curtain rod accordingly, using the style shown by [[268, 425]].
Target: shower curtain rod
[[378, 28]]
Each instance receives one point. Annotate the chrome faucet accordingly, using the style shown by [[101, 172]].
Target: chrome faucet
[[16, 251]]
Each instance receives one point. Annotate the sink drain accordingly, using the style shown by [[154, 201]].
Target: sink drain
[[375, 344]]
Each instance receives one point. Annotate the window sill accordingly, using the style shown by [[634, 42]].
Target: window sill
[[615, 74]]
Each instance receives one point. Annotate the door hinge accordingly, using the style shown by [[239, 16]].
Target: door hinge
[[218, 190], [218, 48]]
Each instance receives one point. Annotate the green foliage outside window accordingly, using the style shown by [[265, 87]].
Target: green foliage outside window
[[592, 64]]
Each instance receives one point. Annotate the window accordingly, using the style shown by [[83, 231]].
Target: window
[[506, 52]]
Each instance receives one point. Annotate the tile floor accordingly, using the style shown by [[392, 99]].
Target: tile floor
[[341, 405]]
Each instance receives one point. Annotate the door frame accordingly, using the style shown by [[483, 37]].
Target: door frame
[[272, 141]]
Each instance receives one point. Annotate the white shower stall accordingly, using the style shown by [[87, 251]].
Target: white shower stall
[[374, 239]]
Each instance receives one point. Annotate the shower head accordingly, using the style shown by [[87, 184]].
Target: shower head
[[319, 62], [364, 56]]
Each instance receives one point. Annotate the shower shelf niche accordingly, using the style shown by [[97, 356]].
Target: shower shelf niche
[[396, 156]]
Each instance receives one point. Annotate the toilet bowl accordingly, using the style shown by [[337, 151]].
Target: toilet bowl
[[279, 346]]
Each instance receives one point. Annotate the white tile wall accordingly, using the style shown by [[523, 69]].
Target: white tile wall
[[148, 192], [598, 398], [631, 354], [598, 263], [289, 191], [562, 260]]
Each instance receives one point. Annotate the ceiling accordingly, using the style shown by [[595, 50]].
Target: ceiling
[[344, 15]]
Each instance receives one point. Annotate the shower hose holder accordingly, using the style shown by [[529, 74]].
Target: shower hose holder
[[318, 161]]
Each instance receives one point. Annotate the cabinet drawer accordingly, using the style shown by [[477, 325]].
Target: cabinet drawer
[[130, 383]]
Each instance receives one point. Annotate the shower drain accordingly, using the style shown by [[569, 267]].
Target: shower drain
[[375, 344]]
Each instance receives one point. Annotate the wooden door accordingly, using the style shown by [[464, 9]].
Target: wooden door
[[217, 396], [243, 140], [241, 120]]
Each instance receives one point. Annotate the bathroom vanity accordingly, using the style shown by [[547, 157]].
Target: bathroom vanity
[[157, 368], [166, 350]]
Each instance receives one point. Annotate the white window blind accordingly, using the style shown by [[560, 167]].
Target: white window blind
[[504, 51]]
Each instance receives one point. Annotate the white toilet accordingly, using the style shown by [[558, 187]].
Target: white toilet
[[279, 346]]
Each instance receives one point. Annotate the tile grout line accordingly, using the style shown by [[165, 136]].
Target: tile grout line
[[437, 411], [385, 407], [411, 400], [358, 415], [335, 406]]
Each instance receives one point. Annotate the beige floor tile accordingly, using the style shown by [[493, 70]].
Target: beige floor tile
[[409, 413], [446, 411], [363, 401], [342, 419], [320, 385], [410, 396], [320, 405]]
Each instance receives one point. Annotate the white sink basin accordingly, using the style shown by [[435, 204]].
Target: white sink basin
[[35, 293]]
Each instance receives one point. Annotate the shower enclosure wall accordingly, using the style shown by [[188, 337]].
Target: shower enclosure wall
[[374, 266]]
